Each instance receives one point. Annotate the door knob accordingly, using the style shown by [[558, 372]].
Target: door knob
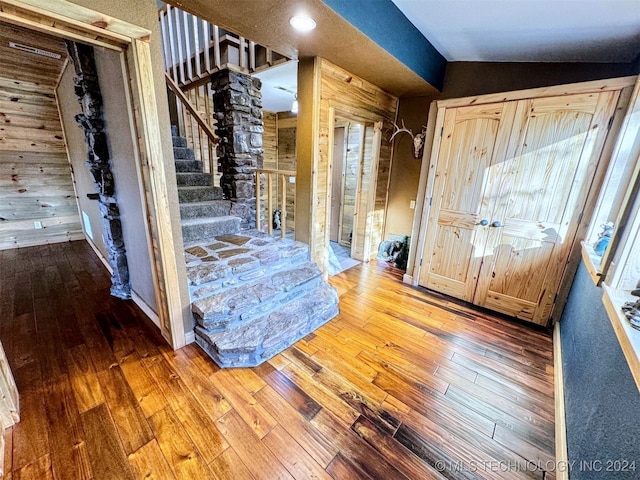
[[496, 224], [484, 222]]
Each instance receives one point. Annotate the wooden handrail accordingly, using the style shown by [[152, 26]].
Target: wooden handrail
[[284, 175], [288, 173], [213, 138]]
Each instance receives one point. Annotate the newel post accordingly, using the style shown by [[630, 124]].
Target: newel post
[[237, 102]]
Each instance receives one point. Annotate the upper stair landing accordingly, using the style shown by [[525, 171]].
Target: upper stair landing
[[193, 49]]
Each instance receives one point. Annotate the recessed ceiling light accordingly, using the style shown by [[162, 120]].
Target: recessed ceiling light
[[303, 23]]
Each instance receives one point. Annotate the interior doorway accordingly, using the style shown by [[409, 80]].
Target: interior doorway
[[133, 59], [353, 164]]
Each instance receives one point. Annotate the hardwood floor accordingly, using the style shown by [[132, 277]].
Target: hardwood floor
[[401, 385]]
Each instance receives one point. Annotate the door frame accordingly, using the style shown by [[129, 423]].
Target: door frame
[[74, 22], [432, 148], [365, 203]]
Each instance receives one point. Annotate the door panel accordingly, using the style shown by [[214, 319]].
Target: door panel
[[542, 191], [455, 244]]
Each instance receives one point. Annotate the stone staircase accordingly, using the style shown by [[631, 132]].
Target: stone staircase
[[252, 295]]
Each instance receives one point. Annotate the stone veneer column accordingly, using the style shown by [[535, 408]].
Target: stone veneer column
[[91, 121], [237, 103]]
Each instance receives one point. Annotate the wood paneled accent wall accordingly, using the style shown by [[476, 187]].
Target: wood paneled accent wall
[[325, 90], [279, 144], [35, 178]]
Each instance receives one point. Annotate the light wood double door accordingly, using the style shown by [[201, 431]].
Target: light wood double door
[[511, 181]]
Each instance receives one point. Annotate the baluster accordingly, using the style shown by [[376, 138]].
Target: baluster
[[283, 207], [196, 37], [243, 54], [180, 52], [200, 141], [258, 206], [269, 56], [174, 73], [252, 56], [216, 46], [206, 45], [187, 44], [165, 43], [269, 204]]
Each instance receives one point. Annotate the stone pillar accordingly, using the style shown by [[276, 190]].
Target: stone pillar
[[238, 105], [91, 121]]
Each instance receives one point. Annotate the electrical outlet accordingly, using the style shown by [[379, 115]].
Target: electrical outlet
[[412, 204], [37, 224]]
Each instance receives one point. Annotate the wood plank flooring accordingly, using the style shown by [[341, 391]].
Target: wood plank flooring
[[403, 384]]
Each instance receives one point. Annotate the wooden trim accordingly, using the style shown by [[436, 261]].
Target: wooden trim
[[307, 149], [427, 187], [599, 86], [171, 313], [421, 212], [623, 149], [369, 253], [588, 205], [592, 267], [628, 336], [142, 191], [289, 173], [84, 18], [562, 455], [327, 212]]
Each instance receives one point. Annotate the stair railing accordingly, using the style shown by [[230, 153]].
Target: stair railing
[[198, 132], [282, 179], [193, 49]]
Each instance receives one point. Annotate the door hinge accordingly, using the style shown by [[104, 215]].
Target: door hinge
[[610, 123], [430, 200], [555, 298], [441, 130], [580, 218], [420, 262]]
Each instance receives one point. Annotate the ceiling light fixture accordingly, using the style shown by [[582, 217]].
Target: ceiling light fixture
[[302, 23]]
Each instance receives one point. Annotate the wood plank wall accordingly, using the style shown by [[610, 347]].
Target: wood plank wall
[[351, 96], [279, 144], [35, 177], [287, 123]]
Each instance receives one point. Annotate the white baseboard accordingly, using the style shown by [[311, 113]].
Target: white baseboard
[[145, 308], [562, 455], [407, 279], [104, 261], [189, 337]]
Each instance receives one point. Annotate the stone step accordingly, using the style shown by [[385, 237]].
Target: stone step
[[183, 153], [246, 302], [232, 260], [214, 208], [193, 179], [193, 166], [250, 344], [199, 194], [198, 229], [178, 141]]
